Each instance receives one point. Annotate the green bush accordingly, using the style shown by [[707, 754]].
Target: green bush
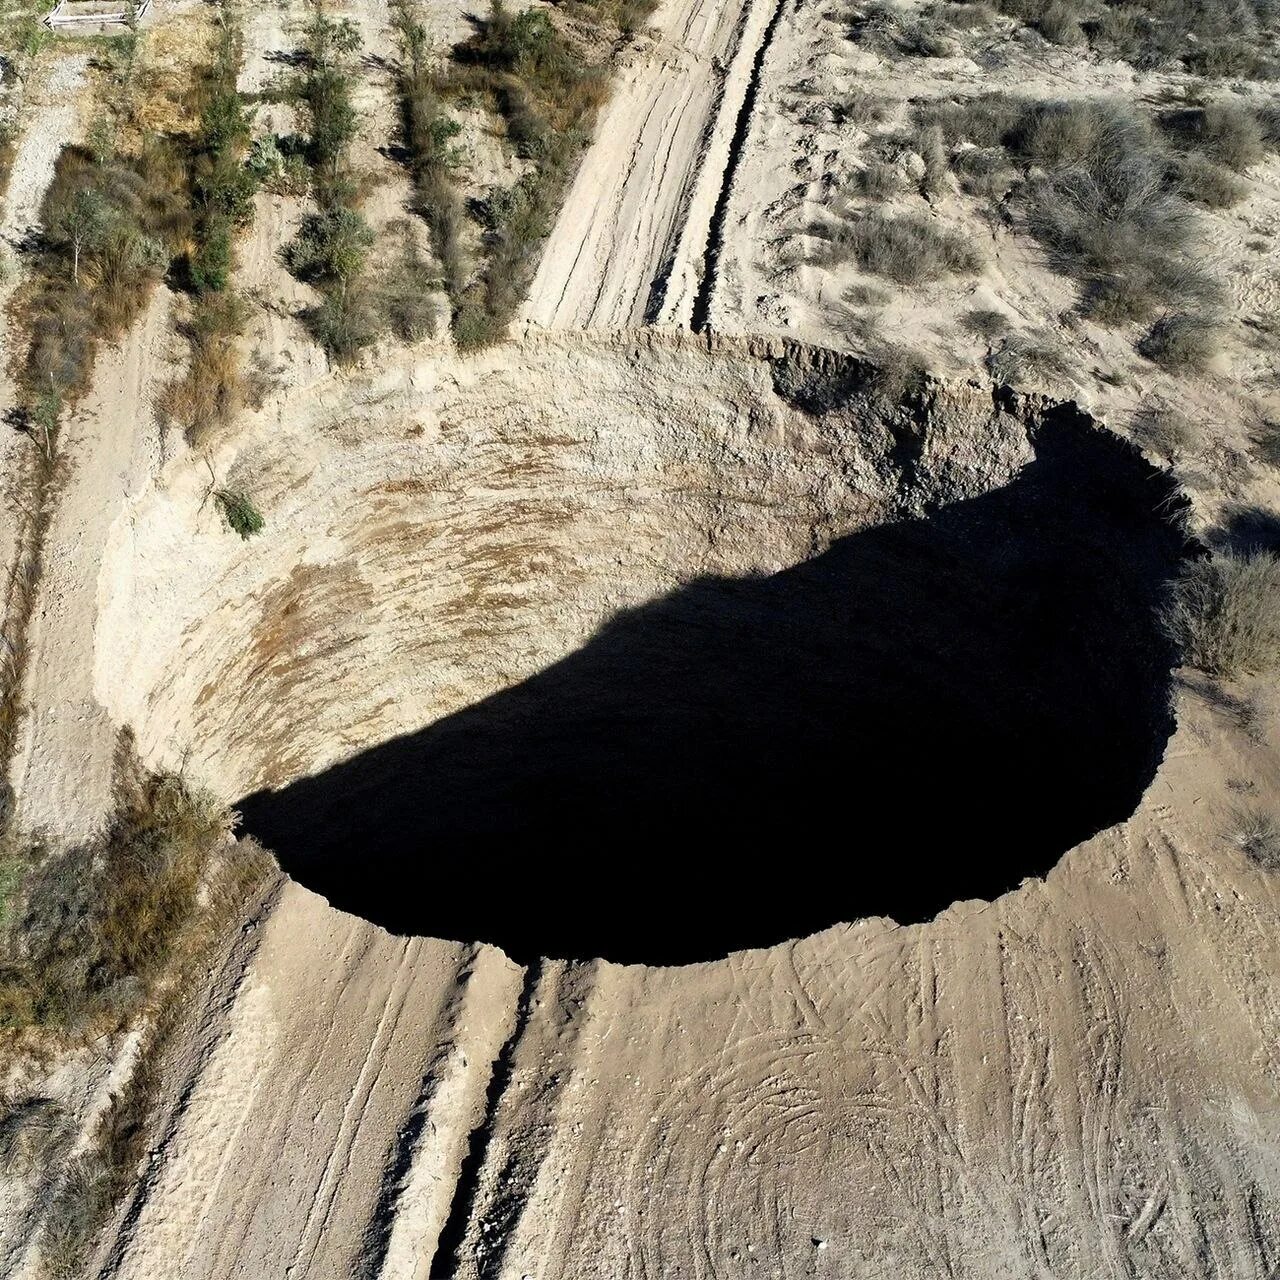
[[325, 89], [239, 512], [212, 257], [331, 246], [428, 134]]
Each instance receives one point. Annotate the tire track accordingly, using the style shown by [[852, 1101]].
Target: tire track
[[700, 312], [631, 243]]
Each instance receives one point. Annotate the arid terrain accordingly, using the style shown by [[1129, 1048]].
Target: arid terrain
[[641, 642]]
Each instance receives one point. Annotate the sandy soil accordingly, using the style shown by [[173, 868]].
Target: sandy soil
[[63, 761], [1077, 1080], [51, 118], [628, 246]]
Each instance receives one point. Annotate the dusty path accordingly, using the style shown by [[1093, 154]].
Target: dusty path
[[371, 1105], [109, 449], [630, 245], [50, 119], [1077, 1081]]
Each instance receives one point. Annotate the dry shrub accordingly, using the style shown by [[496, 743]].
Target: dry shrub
[[1257, 835], [1164, 430], [1208, 183], [214, 389], [345, 322], [407, 293], [931, 148], [1059, 135], [1223, 57], [1228, 133], [1266, 443], [984, 172], [1183, 343], [877, 180], [986, 121], [1029, 358], [1224, 613], [890, 31], [908, 249], [967, 17], [1110, 214], [985, 323], [861, 106], [1059, 22], [897, 375], [33, 1132], [1231, 134]]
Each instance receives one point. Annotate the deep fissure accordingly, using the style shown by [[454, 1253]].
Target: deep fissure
[[929, 710]]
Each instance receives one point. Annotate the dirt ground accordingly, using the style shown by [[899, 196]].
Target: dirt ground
[[1079, 1078]]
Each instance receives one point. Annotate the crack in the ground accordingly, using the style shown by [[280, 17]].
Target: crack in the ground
[[742, 126], [466, 1193]]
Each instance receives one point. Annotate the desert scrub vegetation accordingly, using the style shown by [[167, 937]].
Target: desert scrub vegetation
[[110, 935], [1098, 186], [238, 511], [1165, 430], [1224, 613], [223, 183], [906, 249], [1211, 38], [427, 134], [331, 247], [1183, 343], [93, 927], [892, 31], [533, 73], [113, 224], [1256, 834]]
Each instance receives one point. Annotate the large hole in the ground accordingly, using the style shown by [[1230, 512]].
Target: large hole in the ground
[[927, 711]]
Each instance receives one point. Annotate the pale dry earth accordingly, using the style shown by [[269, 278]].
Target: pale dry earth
[[1077, 1080]]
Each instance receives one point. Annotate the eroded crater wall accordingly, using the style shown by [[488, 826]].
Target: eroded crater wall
[[706, 597], [441, 532]]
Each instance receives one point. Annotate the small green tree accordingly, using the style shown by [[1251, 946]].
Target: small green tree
[[82, 224]]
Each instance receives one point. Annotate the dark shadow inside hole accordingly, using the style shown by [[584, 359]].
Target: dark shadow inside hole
[[928, 711]]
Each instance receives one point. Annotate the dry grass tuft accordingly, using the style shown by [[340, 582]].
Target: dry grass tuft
[[909, 250], [1183, 343], [1257, 835], [216, 386], [1164, 430], [1224, 614]]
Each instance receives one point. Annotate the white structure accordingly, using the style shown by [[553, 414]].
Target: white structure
[[72, 13]]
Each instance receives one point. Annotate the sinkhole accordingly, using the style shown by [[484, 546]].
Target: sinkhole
[[930, 709]]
